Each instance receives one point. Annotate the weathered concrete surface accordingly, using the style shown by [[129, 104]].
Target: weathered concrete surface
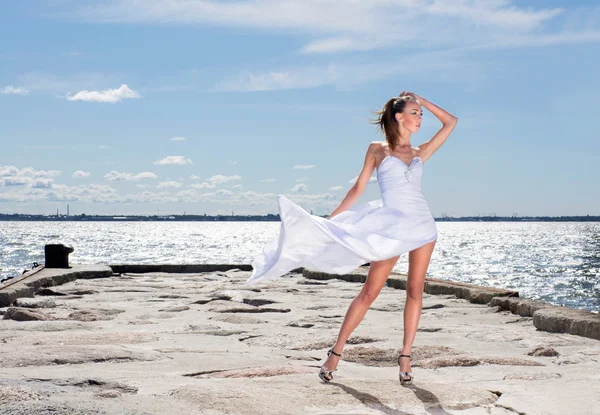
[[26, 285], [567, 320], [552, 318], [21, 277], [520, 306], [211, 351], [24, 314], [546, 316]]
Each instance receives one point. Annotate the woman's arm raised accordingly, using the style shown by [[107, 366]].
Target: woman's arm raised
[[448, 123], [361, 182]]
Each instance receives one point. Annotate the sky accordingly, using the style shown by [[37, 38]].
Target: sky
[[213, 107]]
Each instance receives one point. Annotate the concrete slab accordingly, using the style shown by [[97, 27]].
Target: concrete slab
[[27, 284], [202, 357]]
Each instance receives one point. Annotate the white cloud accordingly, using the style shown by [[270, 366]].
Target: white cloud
[[337, 44], [371, 180], [11, 176], [302, 179], [194, 177], [219, 178], [16, 181], [8, 171], [300, 187], [446, 28], [189, 196], [215, 180], [31, 172], [336, 188], [268, 180], [38, 182], [11, 90], [226, 194], [41, 183], [233, 162], [79, 174], [177, 139], [542, 40], [242, 201], [58, 192], [174, 160], [343, 74], [115, 176], [107, 95], [249, 201], [168, 184], [204, 185], [103, 147], [304, 166], [145, 175], [346, 25], [314, 15], [286, 79]]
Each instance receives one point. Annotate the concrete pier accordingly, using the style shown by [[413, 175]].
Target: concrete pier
[[98, 342]]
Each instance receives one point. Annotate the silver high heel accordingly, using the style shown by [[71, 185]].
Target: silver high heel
[[403, 375], [325, 374]]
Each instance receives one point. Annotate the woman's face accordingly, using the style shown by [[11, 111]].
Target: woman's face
[[411, 117]]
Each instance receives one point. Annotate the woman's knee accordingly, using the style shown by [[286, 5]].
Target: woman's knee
[[414, 293], [378, 274], [414, 289], [368, 294]]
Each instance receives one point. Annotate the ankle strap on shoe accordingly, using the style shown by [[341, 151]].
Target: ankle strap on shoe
[[331, 351]]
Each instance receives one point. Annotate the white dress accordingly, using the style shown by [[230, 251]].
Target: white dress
[[398, 222]]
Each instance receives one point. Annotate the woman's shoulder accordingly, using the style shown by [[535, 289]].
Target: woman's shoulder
[[376, 147], [378, 144]]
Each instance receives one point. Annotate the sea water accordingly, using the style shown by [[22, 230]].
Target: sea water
[[556, 262]]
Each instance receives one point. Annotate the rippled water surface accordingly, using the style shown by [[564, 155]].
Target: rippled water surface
[[554, 262]]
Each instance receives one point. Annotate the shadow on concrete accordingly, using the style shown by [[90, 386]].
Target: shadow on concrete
[[429, 398], [373, 402]]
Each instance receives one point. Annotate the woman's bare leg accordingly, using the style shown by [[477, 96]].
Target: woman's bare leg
[[418, 262], [379, 271]]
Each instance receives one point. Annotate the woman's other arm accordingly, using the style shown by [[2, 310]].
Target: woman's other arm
[[361, 182]]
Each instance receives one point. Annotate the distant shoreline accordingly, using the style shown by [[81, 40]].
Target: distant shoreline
[[264, 218]]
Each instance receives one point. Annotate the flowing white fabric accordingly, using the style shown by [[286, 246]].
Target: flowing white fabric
[[398, 222]]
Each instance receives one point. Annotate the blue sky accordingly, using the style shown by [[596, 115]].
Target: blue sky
[[125, 106]]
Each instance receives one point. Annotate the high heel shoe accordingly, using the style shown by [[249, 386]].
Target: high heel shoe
[[403, 375], [325, 374]]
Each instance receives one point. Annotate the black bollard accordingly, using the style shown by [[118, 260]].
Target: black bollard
[[57, 255]]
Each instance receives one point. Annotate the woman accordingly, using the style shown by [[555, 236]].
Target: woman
[[377, 232]]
